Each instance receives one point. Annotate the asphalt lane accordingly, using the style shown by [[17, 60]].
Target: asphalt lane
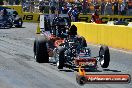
[[18, 68]]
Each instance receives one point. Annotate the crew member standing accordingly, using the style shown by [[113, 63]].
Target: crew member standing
[[95, 18]]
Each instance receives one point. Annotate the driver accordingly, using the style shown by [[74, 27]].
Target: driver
[[72, 31], [84, 52], [4, 14]]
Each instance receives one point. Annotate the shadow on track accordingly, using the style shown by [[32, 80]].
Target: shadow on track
[[12, 28], [18, 27], [93, 70], [111, 70], [67, 70]]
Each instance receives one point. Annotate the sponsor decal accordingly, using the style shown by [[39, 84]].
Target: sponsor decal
[[82, 18], [105, 19], [28, 17], [83, 78]]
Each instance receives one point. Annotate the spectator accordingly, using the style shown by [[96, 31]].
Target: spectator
[[5, 2], [102, 7], [130, 7], [79, 5], [70, 13], [88, 7], [32, 6], [11, 2], [92, 1], [85, 6], [52, 6], [41, 6], [16, 2], [61, 4], [75, 14], [108, 8], [116, 6], [96, 5], [69, 5], [123, 8], [64, 9], [26, 6]]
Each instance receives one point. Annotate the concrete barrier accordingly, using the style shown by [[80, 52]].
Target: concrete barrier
[[18, 8], [31, 17], [106, 18], [112, 35]]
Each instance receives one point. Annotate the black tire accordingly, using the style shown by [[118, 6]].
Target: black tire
[[84, 43], [18, 23], [40, 50], [104, 56], [9, 23], [81, 80], [34, 48], [61, 58]]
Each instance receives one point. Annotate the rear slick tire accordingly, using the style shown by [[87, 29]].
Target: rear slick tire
[[40, 50]]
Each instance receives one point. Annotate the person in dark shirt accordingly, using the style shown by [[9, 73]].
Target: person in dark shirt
[[96, 5], [75, 14], [41, 6], [102, 7], [4, 15], [5, 12], [129, 7], [70, 14], [116, 6], [64, 10], [16, 2], [61, 4], [53, 4], [85, 7]]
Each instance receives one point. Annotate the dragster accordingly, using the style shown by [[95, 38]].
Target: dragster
[[59, 43]]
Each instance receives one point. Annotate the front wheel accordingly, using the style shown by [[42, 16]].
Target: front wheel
[[104, 56], [61, 57], [18, 23]]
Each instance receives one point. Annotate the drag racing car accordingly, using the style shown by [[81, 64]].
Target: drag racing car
[[10, 19], [67, 49]]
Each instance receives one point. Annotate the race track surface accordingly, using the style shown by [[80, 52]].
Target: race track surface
[[18, 68]]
